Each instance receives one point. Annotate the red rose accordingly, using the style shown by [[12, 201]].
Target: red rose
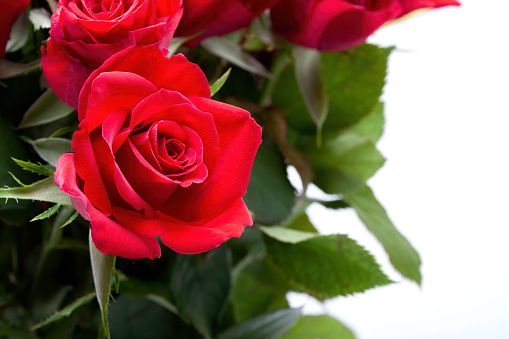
[[155, 156], [85, 33], [10, 11], [338, 25], [218, 17]]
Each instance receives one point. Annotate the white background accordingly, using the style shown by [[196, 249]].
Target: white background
[[445, 184]]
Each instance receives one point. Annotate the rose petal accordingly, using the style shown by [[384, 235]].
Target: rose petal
[[191, 238], [152, 186], [108, 236], [412, 5], [137, 222], [173, 106], [351, 28], [56, 66], [109, 92], [111, 238], [175, 73], [87, 169], [239, 138], [202, 15]]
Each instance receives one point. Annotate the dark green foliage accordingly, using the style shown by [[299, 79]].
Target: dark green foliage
[[200, 287], [258, 289], [353, 82], [270, 196], [344, 162], [325, 124], [266, 326]]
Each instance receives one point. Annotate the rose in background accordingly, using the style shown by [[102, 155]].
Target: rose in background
[[218, 17], [154, 155], [338, 25], [85, 33], [9, 11]]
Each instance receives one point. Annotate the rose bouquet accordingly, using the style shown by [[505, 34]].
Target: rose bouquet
[[144, 162]]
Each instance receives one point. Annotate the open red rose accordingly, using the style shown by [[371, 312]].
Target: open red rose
[[154, 155], [338, 25], [10, 11], [84, 33], [218, 17]]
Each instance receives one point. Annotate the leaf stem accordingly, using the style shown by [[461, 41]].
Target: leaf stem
[[280, 62], [53, 239]]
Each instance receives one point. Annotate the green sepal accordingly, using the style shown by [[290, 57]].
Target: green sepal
[[102, 270]]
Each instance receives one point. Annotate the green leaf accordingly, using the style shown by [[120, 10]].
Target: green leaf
[[354, 81], [344, 162], [325, 266], [372, 125], [270, 195], [403, 256], [309, 80], [47, 108], [177, 42], [9, 69], [334, 204], [39, 169], [102, 270], [219, 82], [266, 326], [319, 326], [258, 289], [62, 131], [48, 213], [287, 235], [233, 53], [299, 220], [43, 190], [19, 34], [50, 149], [66, 311], [200, 288], [152, 290]]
